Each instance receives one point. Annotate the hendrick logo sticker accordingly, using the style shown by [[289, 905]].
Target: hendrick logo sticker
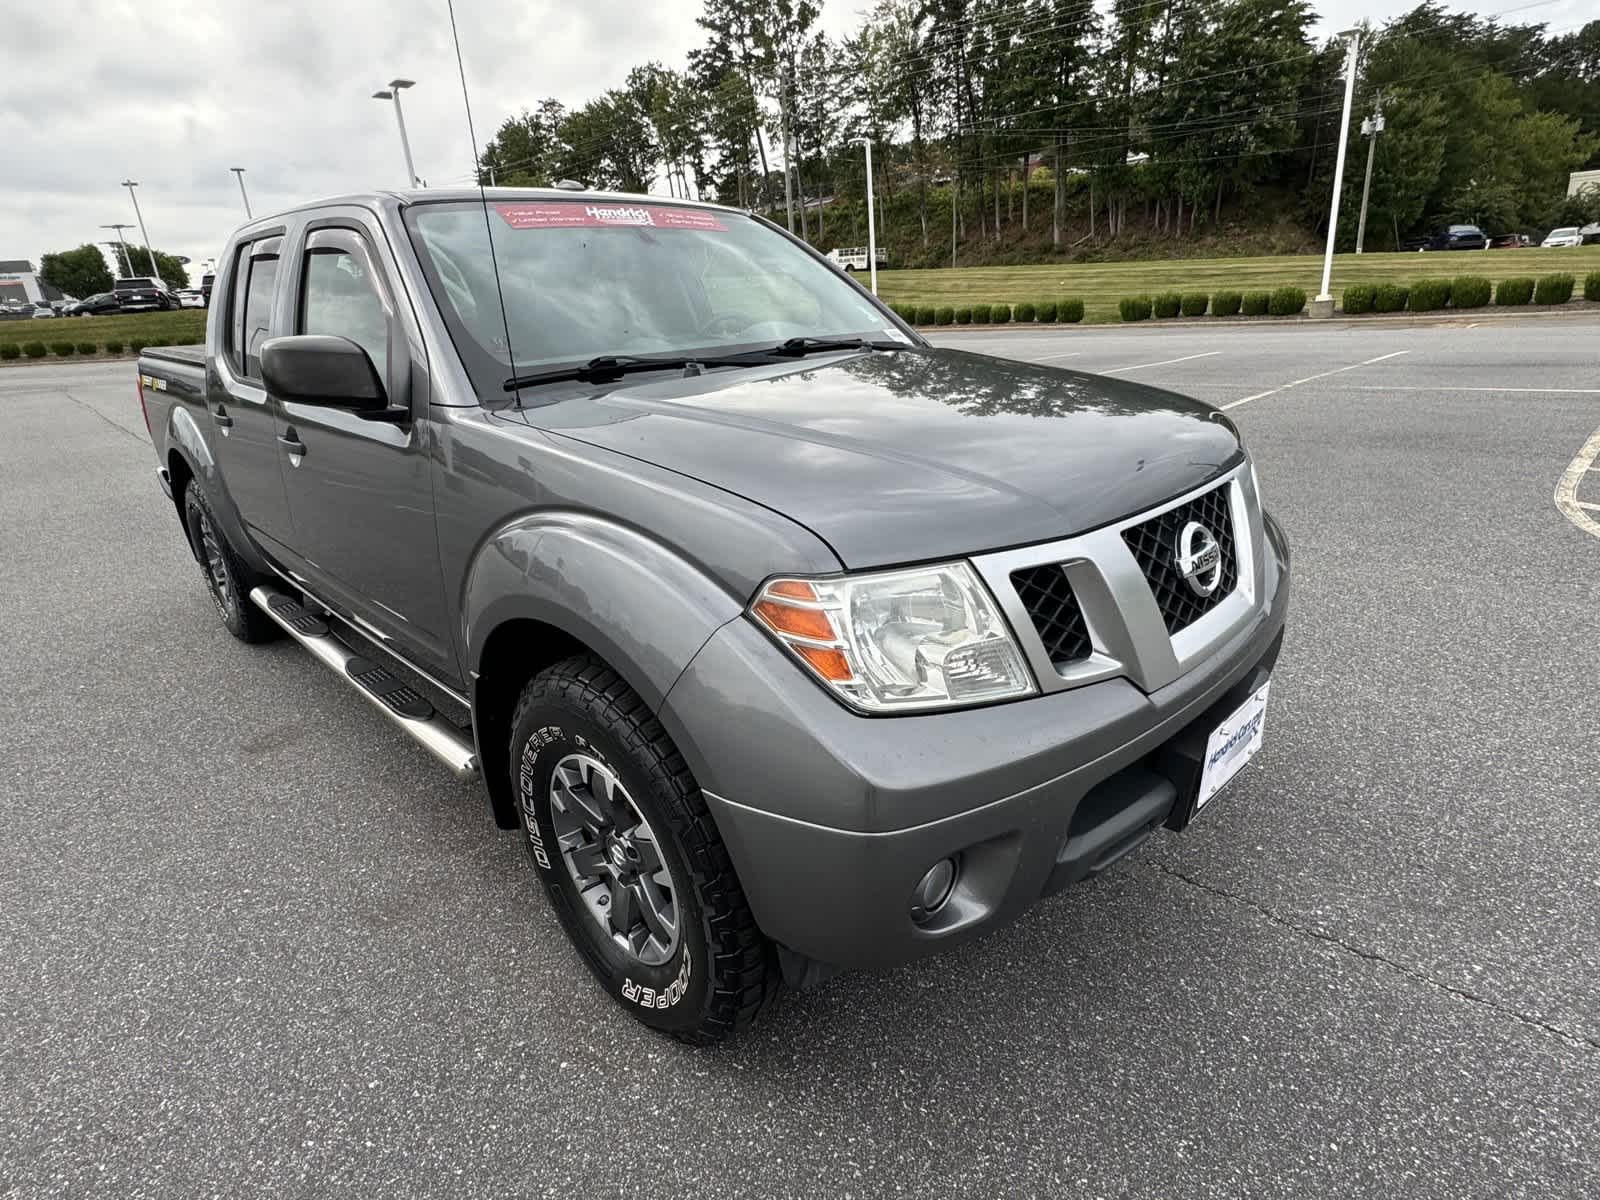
[[599, 216]]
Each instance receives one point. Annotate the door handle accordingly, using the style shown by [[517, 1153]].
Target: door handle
[[221, 416], [292, 443]]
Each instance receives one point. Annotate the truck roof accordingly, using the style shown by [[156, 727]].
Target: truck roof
[[401, 197]]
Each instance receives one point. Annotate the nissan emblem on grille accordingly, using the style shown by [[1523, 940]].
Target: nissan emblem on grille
[[1199, 558]]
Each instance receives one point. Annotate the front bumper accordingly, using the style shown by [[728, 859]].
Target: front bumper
[[832, 818]]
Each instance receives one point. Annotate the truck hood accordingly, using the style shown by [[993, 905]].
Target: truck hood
[[918, 454]]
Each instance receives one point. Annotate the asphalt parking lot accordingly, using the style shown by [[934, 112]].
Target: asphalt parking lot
[[255, 943]]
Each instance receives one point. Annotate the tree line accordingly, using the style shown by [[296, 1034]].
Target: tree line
[[1154, 118]]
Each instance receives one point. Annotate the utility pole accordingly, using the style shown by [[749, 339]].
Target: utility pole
[[239, 174], [1323, 305], [872, 219], [392, 92], [127, 263], [1371, 127]]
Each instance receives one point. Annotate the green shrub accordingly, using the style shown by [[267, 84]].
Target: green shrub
[[1591, 286], [1429, 294], [1470, 291], [1287, 301], [1255, 304], [1553, 289], [1195, 304], [1045, 310], [114, 346], [1070, 311], [982, 313], [944, 315], [963, 314], [63, 349], [999, 314], [1226, 304], [1166, 304], [1389, 297], [86, 347], [1516, 290], [137, 345], [1134, 308], [927, 314], [1357, 298], [10, 350], [34, 349], [1025, 311]]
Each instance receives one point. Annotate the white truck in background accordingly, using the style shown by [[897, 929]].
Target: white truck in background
[[854, 258]]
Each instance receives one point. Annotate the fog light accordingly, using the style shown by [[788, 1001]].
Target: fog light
[[934, 890]]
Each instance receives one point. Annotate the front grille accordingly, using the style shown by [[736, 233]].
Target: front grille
[[1046, 594], [1155, 545]]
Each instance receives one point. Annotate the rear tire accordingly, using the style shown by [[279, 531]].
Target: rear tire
[[625, 847], [228, 581]]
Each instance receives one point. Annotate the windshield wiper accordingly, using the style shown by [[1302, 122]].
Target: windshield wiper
[[797, 346], [601, 369], [604, 368]]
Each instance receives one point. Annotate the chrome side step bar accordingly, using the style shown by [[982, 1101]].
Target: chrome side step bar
[[436, 735]]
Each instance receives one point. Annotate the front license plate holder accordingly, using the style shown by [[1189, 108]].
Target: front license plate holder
[[1206, 756]]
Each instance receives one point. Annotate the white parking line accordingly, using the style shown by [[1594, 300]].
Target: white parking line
[[1567, 487], [1053, 357], [1321, 375], [1165, 362], [1445, 387]]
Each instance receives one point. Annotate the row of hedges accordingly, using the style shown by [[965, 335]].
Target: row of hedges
[[1465, 291], [1048, 312], [1282, 302], [13, 350]]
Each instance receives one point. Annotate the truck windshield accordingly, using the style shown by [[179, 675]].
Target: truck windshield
[[584, 278]]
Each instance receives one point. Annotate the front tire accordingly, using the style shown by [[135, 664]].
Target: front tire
[[624, 845], [228, 581]]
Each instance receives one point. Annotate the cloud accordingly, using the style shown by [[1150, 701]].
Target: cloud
[[174, 94]]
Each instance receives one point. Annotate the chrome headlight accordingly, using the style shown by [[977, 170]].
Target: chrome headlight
[[892, 641]]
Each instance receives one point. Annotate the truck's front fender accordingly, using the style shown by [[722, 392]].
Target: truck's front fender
[[635, 602]]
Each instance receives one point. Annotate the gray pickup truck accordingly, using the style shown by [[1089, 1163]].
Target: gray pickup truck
[[788, 641]]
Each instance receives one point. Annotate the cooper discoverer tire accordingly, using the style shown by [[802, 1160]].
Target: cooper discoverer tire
[[624, 845], [228, 581]]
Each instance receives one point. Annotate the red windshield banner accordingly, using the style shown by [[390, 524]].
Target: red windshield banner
[[600, 216]]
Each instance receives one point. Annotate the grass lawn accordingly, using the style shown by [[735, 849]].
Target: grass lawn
[[181, 327], [1101, 285]]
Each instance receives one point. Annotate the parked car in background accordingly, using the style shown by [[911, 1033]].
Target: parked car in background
[[1568, 235], [93, 306], [191, 298], [42, 312], [142, 293], [854, 258], [1509, 241], [1458, 237]]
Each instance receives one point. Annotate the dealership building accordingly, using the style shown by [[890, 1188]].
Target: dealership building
[[20, 282]]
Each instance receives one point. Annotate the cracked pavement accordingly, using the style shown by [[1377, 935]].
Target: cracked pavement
[[257, 944]]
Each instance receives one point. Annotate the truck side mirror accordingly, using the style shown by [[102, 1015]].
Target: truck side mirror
[[321, 369]]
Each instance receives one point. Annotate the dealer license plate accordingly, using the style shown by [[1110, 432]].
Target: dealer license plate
[[1232, 744]]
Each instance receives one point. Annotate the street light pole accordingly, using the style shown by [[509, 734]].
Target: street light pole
[[239, 174], [1371, 127], [872, 220], [127, 263], [392, 92], [155, 272], [1352, 45]]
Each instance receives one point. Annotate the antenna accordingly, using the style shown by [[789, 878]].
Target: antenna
[[483, 199]]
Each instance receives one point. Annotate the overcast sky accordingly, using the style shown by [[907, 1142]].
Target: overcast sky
[[174, 93]]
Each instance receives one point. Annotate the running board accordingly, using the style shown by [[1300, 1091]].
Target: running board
[[388, 693]]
